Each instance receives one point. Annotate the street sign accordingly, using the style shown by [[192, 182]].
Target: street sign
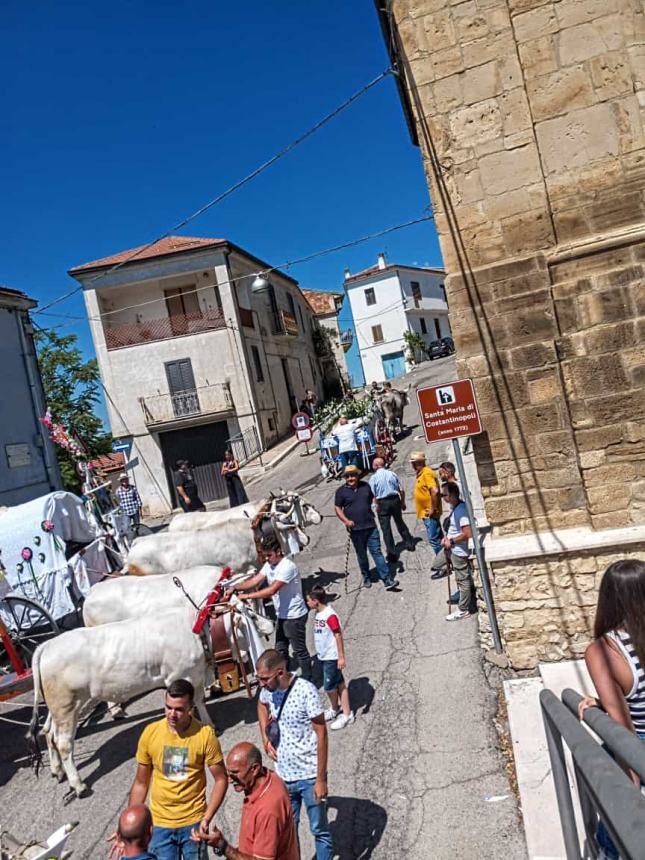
[[123, 445], [300, 420], [449, 411], [304, 435]]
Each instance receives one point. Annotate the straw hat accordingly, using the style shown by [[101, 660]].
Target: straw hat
[[417, 457], [351, 470]]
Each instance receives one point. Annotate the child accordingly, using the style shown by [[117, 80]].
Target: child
[[331, 653]]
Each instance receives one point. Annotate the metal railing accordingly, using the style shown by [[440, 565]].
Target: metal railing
[[245, 445], [178, 325], [283, 322], [165, 408], [605, 791]]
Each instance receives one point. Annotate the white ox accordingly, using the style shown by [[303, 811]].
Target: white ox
[[228, 544], [289, 508], [112, 662]]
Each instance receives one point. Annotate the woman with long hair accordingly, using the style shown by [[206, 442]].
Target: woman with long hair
[[236, 492], [616, 658]]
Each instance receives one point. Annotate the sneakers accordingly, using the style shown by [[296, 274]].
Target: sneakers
[[341, 721], [457, 616], [390, 584], [331, 714]]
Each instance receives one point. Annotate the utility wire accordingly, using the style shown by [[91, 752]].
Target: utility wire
[[285, 265], [235, 187]]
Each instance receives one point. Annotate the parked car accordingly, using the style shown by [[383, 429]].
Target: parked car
[[440, 348]]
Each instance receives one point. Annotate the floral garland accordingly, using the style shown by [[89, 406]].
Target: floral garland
[[60, 437]]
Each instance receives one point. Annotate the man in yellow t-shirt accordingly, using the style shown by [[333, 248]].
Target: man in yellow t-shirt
[[427, 499], [173, 753]]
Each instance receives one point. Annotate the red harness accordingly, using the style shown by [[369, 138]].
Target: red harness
[[211, 600]]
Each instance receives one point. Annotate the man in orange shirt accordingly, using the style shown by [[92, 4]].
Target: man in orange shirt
[[267, 831]]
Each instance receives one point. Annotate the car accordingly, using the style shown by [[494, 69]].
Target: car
[[449, 343], [439, 348]]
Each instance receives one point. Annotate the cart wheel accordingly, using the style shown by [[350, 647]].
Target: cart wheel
[[29, 624]]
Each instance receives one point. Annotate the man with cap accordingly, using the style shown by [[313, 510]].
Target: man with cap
[[186, 487], [353, 506], [427, 499], [129, 500]]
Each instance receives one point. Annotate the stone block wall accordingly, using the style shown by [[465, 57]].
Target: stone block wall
[[530, 115]]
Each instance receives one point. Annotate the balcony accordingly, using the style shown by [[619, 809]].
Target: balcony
[[176, 409], [146, 331], [283, 322]]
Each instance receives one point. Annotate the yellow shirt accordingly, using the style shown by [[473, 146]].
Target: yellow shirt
[[178, 795], [426, 481]]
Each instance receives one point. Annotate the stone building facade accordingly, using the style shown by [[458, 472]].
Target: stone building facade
[[530, 115]]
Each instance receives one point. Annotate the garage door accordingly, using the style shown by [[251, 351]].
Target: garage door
[[203, 446]]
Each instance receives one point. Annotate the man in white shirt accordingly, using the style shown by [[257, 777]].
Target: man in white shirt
[[455, 545], [347, 442], [285, 590]]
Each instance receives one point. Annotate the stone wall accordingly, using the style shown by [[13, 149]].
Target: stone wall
[[529, 115]]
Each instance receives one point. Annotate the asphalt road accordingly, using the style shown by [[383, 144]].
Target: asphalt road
[[413, 777]]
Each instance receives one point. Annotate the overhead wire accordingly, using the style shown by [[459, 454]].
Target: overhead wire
[[235, 187], [285, 265]]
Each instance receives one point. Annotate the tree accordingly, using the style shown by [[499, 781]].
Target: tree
[[416, 346], [72, 392]]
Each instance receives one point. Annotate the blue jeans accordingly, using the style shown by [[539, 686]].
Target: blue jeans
[[174, 843], [303, 790], [368, 539], [434, 532], [348, 458]]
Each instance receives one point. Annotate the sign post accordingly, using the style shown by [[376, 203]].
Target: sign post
[[449, 411], [301, 423]]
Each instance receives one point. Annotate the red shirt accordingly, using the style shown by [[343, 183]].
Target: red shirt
[[267, 829]]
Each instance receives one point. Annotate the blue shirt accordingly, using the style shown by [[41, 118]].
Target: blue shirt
[[384, 483], [356, 504]]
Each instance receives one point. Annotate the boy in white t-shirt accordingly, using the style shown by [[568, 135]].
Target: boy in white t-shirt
[[331, 653]]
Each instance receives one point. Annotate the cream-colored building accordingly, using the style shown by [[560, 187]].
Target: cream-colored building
[[192, 360]]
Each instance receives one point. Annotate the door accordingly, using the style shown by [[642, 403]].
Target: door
[[181, 385], [287, 381], [393, 364], [203, 447]]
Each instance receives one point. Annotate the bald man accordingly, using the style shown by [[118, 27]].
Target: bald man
[[134, 833], [267, 830], [390, 502]]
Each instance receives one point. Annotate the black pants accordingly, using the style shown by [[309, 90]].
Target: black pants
[[390, 508], [236, 492], [293, 631]]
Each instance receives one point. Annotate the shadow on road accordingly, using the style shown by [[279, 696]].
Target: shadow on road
[[357, 828]]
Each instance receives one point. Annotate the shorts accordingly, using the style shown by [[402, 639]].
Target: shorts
[[332, 676]]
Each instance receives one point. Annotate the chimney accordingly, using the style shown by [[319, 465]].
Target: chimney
[[381, 261], [347, 274]]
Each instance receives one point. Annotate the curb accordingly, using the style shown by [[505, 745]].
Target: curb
[[278, 459]]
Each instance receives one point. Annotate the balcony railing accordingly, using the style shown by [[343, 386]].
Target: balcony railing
[[283, 322], [130, 334], [168, 408]]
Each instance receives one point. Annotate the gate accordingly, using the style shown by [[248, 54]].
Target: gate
[[203, 446]]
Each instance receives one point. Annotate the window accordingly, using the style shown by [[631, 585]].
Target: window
[[259, 375], [182, 301], [292, 305], [437, 328], [377, 334], [443, 293], [370, 298], [416, 292], [424, 327], [181, 384]]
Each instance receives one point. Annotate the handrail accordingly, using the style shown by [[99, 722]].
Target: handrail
[[623, 743], [604, 787]]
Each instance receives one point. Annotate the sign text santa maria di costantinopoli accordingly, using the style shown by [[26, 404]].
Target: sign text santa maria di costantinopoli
[[449, 411]]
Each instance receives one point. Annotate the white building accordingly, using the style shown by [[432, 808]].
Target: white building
[[193, 361], [387, 300]]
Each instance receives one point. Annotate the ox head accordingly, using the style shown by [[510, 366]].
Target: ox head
[[290, 507]]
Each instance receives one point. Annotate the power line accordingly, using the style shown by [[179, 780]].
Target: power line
[[235, 187], [285, 265]]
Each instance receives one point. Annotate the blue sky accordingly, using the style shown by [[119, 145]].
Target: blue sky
[[122, 118]]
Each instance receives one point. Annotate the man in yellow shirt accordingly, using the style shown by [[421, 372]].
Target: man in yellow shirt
[[173, 753], [427, 499]]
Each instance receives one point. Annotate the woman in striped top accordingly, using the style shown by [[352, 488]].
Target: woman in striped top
[[616, 657]]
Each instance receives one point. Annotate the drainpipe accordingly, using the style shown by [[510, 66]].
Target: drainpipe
[[37, 398]]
